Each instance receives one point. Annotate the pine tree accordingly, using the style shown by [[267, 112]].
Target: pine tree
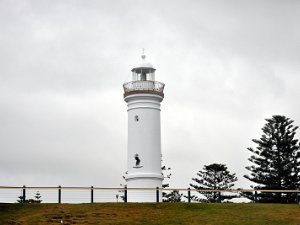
[[173, 196], [167, 175], [36, 200], [214, 177], [275, 161], [122, 192], [37, 197], [20, 199]]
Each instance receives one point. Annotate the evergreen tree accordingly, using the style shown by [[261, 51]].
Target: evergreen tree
[[20, 199], [122, 192], [167, 175], [276, 161], [36, 200], [37, 197], [173, 196], [214, 177]]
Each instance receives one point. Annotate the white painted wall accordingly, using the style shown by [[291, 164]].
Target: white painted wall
[[144, 139]]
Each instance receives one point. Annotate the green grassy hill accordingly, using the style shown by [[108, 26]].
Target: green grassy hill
[[149, 213]]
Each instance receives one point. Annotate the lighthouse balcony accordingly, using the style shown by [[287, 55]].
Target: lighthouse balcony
[[144, 87]]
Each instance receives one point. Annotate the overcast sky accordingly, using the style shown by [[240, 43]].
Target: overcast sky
[[227, 66]]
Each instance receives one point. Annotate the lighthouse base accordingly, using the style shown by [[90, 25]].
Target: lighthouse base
[[144, 189]]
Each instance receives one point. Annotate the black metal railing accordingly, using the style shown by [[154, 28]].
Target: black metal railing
[[93, 194]]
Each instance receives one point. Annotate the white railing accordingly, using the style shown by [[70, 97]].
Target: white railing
[[144, 86]]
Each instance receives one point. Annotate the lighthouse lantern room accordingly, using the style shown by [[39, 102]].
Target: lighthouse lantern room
[[143, 96]]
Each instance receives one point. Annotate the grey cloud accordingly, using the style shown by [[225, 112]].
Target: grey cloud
[[226, 66]]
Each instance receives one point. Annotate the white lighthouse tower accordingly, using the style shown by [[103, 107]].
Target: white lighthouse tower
[[143, 96]]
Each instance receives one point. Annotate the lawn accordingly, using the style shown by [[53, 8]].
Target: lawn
[[150, 213]]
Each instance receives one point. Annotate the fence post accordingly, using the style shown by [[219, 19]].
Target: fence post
[[219, 197], [125, 194], [59, 194], [92, 194], [255, 196], [24, 194], [157, 194], [189, 194]]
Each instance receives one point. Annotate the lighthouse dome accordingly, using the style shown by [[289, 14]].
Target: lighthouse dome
[[143, 64]]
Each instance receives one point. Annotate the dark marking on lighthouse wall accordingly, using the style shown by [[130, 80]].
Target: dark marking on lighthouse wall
[[137, 161]]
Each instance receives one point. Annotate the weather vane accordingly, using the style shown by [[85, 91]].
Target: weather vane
[[143, 53]]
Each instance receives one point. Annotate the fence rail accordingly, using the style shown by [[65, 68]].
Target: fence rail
[[95, 194]]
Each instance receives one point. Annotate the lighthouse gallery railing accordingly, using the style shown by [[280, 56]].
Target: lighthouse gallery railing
[[144, 86]]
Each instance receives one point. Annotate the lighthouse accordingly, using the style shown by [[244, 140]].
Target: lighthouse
[[143, 96]]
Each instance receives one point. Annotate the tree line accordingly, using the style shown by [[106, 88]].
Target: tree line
[[274, 165]]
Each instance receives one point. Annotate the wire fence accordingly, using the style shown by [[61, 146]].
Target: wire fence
[[23, 194]]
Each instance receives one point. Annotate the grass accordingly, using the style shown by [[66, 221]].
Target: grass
[[149, 213]]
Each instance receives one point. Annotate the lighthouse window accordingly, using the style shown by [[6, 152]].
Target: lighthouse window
[[136, 118], [144, 76]]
